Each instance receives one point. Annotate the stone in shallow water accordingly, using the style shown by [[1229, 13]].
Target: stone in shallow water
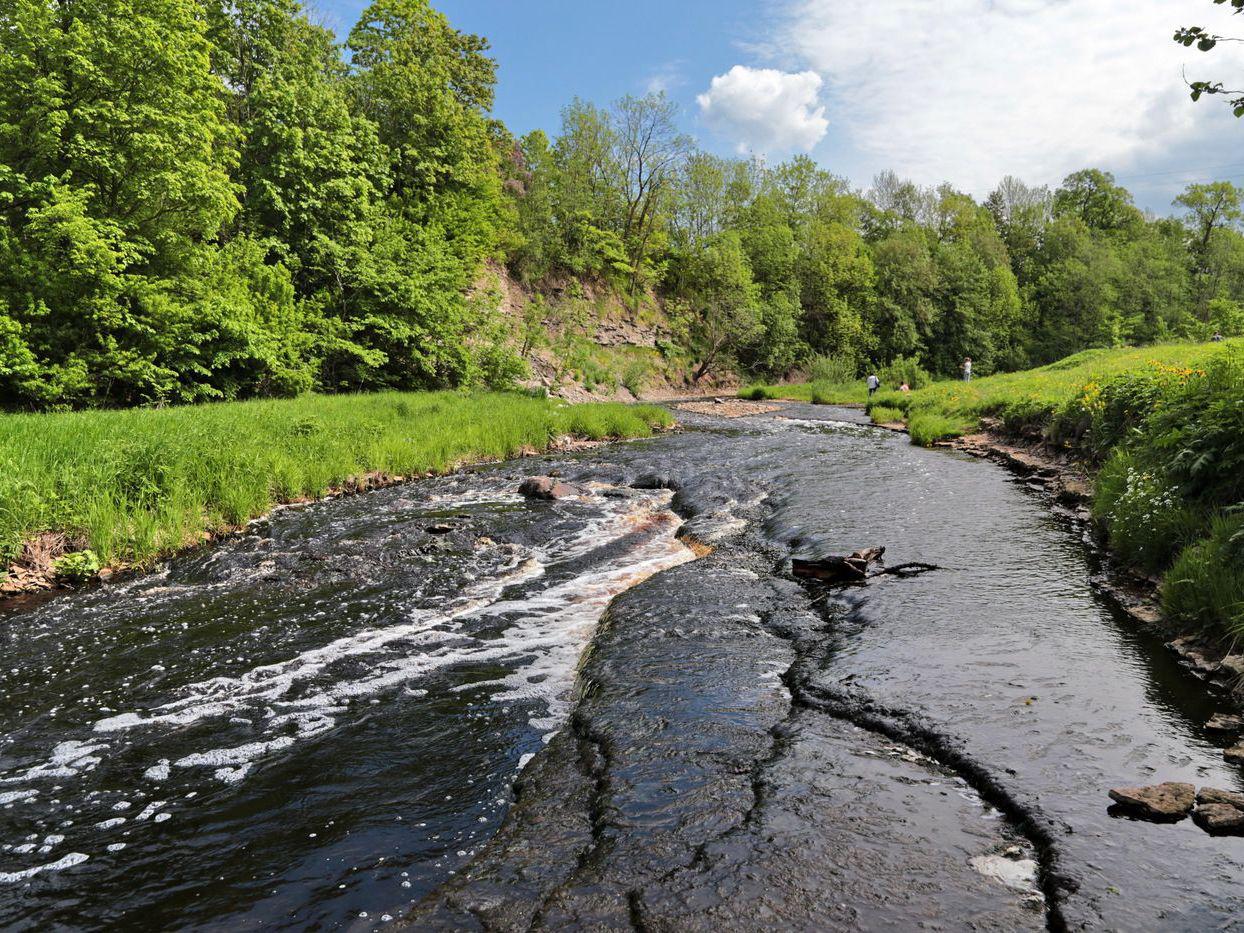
[[1226, 724], [1171, 801], [1235, 753], [1230, 798], [545, 487], [1220, 819]]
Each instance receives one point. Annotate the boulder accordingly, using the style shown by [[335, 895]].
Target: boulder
[[1225, 724], [440, 528], [1220, 819], [545, 487], [1169, 802]]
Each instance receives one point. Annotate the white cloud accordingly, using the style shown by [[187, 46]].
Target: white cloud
[[766, 111], [970, 90]]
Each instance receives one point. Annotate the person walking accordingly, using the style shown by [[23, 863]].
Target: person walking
[[967, 369], [874, 383]]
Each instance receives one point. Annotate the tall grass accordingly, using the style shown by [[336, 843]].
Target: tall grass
[[132, 485]]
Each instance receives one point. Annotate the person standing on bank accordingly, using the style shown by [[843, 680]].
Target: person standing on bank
[[874, 384], [967, 369]]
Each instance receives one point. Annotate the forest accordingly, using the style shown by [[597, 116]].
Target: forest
[[221, 199]]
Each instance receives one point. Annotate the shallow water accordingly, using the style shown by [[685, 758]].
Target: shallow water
[[321, 722]]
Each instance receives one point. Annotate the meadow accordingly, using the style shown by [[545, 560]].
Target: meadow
[[126, 487]]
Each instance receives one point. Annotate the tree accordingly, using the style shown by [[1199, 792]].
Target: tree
[[1092, 196], [648, 152], [115, 161], [722, 303]]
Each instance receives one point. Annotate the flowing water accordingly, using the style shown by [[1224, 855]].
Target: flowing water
[[322, 722]]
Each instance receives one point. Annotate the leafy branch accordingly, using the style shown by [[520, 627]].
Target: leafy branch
[[1206, 41]]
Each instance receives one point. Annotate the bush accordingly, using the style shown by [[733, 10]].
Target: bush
[[833, 370], [754, 393], [1145, 517], [905, 369], [77, 567]]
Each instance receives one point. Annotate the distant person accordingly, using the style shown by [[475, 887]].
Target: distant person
[[874, 384], [967, 369], [904, 388], [1218, 337]]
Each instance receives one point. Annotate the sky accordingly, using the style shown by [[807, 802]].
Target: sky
[[964, 91]]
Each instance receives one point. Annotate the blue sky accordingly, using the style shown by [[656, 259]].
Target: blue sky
[[957, 90]]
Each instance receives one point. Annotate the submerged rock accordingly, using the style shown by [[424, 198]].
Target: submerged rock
[[1169, 802], [546, 488]]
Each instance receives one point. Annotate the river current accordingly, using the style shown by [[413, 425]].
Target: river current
[[324, 722]]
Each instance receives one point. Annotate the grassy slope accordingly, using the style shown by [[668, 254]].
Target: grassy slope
[[953, 408], [132, 485]]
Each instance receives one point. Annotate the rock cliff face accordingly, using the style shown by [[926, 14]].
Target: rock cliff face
[[582, 342]]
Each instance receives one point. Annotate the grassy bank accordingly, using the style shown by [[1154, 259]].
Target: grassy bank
[[1162, 427], [132, 485]]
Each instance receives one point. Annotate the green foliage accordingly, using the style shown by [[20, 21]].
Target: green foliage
[[1204, 588], [77, 567], [928, 427], [905, 370], [835, 370], [1146, 518], [882, 414]]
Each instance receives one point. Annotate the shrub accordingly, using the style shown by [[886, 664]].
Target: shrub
[[833, 370], [77, 567], [1145, 517], [905, 369], [754, 393]]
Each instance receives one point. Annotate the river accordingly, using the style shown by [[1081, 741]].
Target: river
[[446, 706]]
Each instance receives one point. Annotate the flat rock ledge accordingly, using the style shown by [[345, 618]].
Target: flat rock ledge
[[1160, 803]]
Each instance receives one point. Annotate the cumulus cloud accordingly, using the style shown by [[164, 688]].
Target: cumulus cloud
[[766, 111], [970, 90]]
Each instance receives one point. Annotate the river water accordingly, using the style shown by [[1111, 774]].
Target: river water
[[325, 722]]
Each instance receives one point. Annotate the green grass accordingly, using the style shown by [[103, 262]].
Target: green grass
[[883, 415], [818, 393], [1031, 398], [134, 485]]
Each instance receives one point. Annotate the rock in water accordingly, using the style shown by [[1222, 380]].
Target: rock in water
[[1235, 754], [544, 487], [1212, 795], [1220, 819], [1168, 802], [1226, 724]]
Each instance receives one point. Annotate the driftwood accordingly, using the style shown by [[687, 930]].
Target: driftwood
[[849, 569], [854, 568]]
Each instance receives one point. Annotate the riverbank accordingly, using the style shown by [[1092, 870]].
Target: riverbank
[[90, 492]]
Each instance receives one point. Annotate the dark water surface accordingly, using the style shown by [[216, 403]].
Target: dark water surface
[[317, 724]]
